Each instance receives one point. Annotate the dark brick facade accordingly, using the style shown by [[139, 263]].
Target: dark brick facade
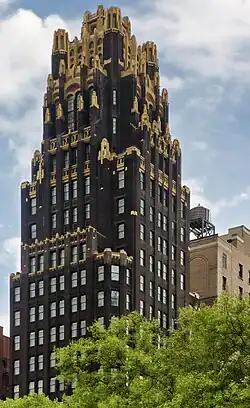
[[105, 213]]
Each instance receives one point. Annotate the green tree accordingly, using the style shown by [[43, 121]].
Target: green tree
[[31, 401]]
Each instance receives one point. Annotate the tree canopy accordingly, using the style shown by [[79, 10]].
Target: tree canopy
[[205, 363]]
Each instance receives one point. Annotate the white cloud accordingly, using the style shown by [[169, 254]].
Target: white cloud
[[10, 253], [174, 83], [199, 145]]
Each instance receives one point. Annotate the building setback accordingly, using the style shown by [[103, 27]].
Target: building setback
[[105, 219], [220, 263], [4, 366]]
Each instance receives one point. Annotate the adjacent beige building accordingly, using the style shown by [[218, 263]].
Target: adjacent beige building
[[220, 262]]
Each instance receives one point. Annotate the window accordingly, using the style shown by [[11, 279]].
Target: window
[[141, 308], [66, 192], [83, 300], [74, 189], [52, 385], [165, 247], [142, 207], [83, 275], [114, 126], [74, 215], [121, 179], [114, 298], [150, 312], [151, 214], [164, 273], [159, 294], [32, 339], [17, 318], [87, 211], [83, 328], [115, 272], [53, 221], [173, 277], [142, 283], [128, 276], [164, 296], [87, 185], [53, 259], [40, 362], [61, 332], [40, 312], [53, 359], [61, 257], [16, 367], [16, 343], [31, 387], [120, 206], [32, 264], [66, 217], [151, 238], [32, 365], [52, 285], [53, 334], [33, 206], [74, 305], [182, 209], [74, 254], [240, 271], [224, 283], [151, 264], [173, 253], [61, 385], [142, 232], [61, 307], [40, 337], [114, 97], [182, 234], [164, 320], [100, 273], [71, 118], [61, 282], [74, 279], [151, 188], [32, 290], [151, 289], [101, 321], [142, 180], [32, 314], [33, 231], [127, 302], [142, 257], [53, 195], [17, 293], [83, 254], [41, 288], [53, 309], [173, 301], [100, 299], [182, 260], [159, 268], [41, 263], [16, 391], [164, 226], [159, 244], [40, 386], [74, 330], [182, 281], [121, 231], [240, 292], [159, 220]]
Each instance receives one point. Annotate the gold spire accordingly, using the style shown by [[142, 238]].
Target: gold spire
[[50, 82], [164, 95], [62, 68], [94, 101], [59, 112], [135, 106], [81, 103], [145, 118], [47, 116]]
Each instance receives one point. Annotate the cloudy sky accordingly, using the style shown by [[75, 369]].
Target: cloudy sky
[[204, 49]]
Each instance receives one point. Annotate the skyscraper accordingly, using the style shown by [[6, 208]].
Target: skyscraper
[[105, 219]]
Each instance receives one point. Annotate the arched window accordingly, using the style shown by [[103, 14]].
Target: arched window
[[71, 118]]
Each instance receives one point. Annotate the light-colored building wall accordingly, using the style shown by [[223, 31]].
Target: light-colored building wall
[[216, 261]]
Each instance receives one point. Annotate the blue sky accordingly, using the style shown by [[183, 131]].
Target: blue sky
[[204, 50]]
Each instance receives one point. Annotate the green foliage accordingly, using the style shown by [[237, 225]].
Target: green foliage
[[31, 401]]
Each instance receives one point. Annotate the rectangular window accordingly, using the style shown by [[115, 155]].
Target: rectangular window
[[40, 362], [224, 283], [16, 367], [32, 264], [141, 308], [100, 299], [142, 283], [66, 217], [164, 296], [87, 211], [40, 337], [32, 365], [16, 343], [142, 181], [53, 259], [121, 179], [41, 263], [66, 192], [16, 391], [150, 312], [74, 189], [53, 334], [240, 271], [87, 185], [173, 277], [159, 268], [32, 290], [61, 282], [100, 273], [83, 254], [151, 264], [74, 254], [32, 339], [66, 160], [151, 214], [74, 279], [83, 277], [114, 97], [74, 330], [142, 257], [165, 247], [52, 285], [83, 301], [53, 309], [121, 231], [52, 385], [61, 385], [151, 238], [165, 223], [164, 273], [31, 387], [17, 318], [159, 220], [240, 292], [224, 261], [53, 164], [115, 272], [151, 188], [53, 195], [83, 327], [182, 281], [74, 215], [52, 360], [33, 231], [182, 258], [142, 232], [120, 206], [53, 221], [74, 305], [182, 234], [32, 314], [61, 307], [61, 257], [114, 298], [173, 301], [159, 244], [33, 206], [114, 126], [142, 207], [61, 333], [173, 253], [41, 288], [164, 320], [151, 289], [40, 386], [128, 302], [182, 209], [159, 294], [17, 294], [40, 312], [128, 276]]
